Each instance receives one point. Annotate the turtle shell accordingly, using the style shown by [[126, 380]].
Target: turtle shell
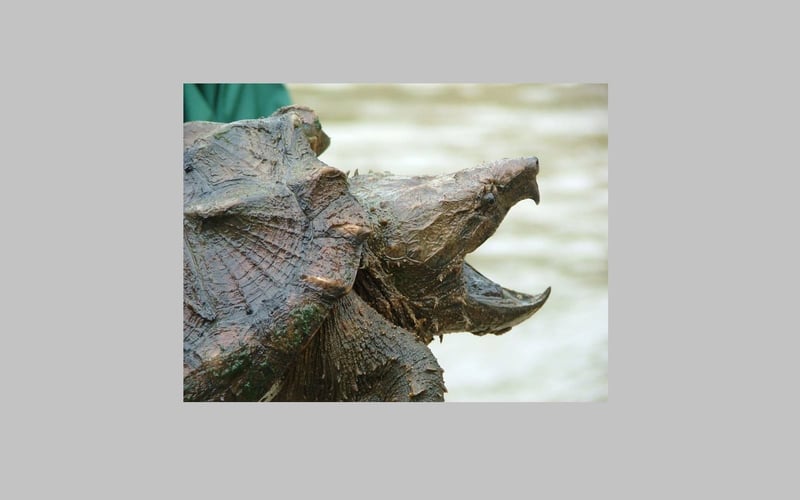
[[272, 239]]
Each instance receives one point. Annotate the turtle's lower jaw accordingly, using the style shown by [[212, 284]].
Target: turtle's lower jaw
[[491, 308]]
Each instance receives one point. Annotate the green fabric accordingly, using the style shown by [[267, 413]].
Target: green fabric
[[228, 102]]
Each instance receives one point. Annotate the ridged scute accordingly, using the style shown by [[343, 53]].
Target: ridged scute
[[265, 256]]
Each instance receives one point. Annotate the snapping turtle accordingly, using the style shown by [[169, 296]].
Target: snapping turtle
[[301, 284]]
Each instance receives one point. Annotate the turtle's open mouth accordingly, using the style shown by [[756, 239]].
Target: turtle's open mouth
[[489, 307]]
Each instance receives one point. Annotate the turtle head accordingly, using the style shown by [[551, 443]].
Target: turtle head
[[414, 270]]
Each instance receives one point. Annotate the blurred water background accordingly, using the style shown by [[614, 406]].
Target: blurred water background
[[560, 353]]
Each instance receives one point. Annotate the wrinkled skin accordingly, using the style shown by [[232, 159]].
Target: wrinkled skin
[[303, 285]]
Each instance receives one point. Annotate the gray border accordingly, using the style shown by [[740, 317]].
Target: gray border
[[114, 376], [95, 281]]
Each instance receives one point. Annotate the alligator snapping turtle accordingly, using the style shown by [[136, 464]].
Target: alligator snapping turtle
[[301, 284]]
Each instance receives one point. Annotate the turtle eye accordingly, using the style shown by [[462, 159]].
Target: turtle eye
[[488, 198]]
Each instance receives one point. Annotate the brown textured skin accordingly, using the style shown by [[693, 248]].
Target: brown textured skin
[[359, 356], [303, 285]]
